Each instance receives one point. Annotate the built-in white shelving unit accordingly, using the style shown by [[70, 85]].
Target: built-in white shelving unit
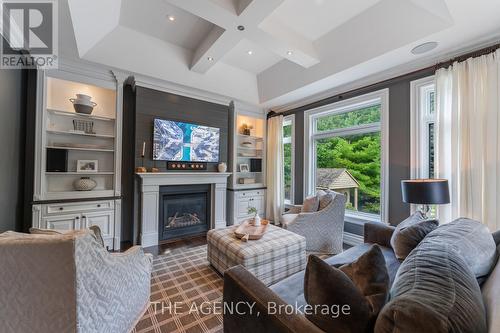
[[246, 150], [57, 202]]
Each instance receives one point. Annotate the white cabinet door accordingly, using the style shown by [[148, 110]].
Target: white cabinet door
[[62, 222], [104, 220], [258, 203], [243, 205]]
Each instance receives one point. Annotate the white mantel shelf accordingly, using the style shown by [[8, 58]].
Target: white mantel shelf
[[150, 198]]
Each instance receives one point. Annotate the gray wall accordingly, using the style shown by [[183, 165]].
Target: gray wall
[[399, 140], [140, 109], [12, 112], [152, 104]]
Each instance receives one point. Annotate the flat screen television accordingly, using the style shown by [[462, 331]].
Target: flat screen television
[[177, 141]]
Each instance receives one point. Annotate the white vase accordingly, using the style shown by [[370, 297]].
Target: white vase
[[256, 220], [222, 167]]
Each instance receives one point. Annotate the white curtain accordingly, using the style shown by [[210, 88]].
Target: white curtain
[[274, 170], [468, 138]]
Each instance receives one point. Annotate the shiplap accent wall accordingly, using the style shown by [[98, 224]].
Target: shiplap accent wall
[[141, 107]]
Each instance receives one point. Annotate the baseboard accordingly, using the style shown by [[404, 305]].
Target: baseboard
[[352, 239], [149, 239]]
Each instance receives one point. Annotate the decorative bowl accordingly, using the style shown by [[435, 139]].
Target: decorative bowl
[[85, 109], [83, 104], [85, 184]]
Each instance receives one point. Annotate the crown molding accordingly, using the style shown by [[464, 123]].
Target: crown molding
[[87, 70], [387, 74], [177, 89]]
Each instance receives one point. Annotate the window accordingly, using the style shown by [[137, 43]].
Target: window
[[423, 128], [288, 157], [423, 124], [345, 152]]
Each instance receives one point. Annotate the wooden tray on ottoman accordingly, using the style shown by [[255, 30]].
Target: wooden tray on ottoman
[[247, 231]]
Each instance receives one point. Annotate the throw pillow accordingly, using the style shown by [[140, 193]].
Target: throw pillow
[[491, 298], [310, 204], [325, 198], [409, 234], [362, 287]]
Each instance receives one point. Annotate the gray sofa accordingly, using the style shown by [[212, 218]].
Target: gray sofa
[[241, 286]]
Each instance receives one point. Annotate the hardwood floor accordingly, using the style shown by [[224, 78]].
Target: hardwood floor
[[183, 243]]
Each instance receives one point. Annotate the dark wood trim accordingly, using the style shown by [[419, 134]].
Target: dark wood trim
[[44, 202], [357, 91], [246, 189], [464, 57]]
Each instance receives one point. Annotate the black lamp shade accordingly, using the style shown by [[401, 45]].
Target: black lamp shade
[[425, 191]]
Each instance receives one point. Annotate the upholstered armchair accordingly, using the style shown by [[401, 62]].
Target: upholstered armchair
[[323, 229], [70, 283]]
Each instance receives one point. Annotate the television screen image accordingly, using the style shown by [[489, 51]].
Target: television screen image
[[177, 141]]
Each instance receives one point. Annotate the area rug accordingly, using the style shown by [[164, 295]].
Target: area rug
[[185, 294]]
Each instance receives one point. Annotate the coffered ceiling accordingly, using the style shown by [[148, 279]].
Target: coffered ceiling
[[269, 52]]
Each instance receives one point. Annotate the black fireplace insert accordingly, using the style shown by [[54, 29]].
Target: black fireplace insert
[[184, 211]]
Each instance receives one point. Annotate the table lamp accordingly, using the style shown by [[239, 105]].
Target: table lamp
[[425, 192]]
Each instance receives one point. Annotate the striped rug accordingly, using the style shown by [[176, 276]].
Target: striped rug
[[185, 293]]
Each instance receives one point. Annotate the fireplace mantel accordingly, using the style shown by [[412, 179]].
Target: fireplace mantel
[[150, 188]]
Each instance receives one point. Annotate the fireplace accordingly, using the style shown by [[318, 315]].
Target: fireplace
[[184, 211]]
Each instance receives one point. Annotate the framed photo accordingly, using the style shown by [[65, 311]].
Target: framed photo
[[244, 168], [86, 166]]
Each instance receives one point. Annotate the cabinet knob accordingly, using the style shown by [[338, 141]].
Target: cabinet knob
[[84, 217], [99, 206], [78, 217], [61, 208]]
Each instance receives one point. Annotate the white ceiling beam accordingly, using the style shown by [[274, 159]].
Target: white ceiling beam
[[283, 40], [213, 48], [225, 35], [105, 18], [240, 5], [254, 12], [207, 10]]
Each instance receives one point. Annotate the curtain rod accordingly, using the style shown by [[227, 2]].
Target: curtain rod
[[444, 64]]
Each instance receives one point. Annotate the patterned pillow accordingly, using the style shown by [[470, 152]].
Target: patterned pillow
[[325, 199], [310, 204], [362, 285]]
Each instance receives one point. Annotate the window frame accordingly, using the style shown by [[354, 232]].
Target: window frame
[[352, 104], [421, 118], [290, 120]]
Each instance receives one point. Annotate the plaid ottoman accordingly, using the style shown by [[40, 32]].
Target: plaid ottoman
[[278, 254]]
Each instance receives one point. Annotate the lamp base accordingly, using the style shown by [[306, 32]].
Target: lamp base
[[425, 210]]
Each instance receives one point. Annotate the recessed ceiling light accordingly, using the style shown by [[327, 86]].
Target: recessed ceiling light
[[424, 48], [210, 59], [240, 27], [289, 53], [171, 18], [250, 52]]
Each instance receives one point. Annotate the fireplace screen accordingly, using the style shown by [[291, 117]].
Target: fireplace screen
[[184, 211]]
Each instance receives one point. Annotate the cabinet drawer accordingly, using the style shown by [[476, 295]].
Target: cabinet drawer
[[252, 193], [77, 207]]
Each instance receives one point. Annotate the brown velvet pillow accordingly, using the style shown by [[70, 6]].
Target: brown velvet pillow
[[409, 234], [363, 286]]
